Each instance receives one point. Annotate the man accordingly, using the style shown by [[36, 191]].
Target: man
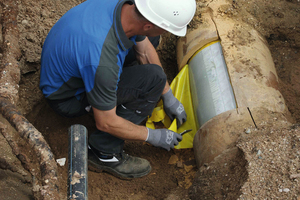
[[83, 65]]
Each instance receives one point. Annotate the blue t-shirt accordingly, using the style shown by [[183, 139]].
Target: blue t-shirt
[[84, 52]]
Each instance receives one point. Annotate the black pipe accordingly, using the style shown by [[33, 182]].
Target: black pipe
[[77, 180]]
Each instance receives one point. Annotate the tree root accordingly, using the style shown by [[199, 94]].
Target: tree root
[[27, 131], [9, 80]]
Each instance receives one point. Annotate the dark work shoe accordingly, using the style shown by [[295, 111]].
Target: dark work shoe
[[121, 165]]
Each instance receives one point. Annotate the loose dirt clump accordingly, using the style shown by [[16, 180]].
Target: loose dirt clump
[[263, 164]]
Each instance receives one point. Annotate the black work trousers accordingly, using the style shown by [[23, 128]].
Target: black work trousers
[[139, 89]]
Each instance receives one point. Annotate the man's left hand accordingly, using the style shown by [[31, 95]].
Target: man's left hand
[[173, 108]]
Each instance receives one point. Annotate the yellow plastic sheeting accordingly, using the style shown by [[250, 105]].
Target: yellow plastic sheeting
[[181, 90]]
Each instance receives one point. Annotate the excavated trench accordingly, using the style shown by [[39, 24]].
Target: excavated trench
[[38, 136]]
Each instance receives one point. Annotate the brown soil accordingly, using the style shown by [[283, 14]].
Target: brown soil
[[262, 165]]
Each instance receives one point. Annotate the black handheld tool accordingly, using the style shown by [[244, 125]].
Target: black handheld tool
[[185, 131]]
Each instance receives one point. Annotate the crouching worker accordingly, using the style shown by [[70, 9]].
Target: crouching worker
[[101, 55]]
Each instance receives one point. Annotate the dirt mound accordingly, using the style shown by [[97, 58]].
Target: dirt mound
[[221, 179], [264, 164], [272, 153]]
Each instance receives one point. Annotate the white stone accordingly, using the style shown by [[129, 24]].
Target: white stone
[[286, 189], [61, 161], [25, 22]]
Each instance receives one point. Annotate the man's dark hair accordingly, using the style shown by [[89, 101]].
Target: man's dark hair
[[139, 15]]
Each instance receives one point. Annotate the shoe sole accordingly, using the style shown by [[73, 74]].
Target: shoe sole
[[95, 168]]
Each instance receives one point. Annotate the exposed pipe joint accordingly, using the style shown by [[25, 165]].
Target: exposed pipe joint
[[251, 74]]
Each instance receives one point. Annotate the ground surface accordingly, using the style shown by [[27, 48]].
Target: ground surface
[[267, 159]]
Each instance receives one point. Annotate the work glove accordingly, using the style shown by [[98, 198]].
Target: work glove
[[164, 138], [173, 108]]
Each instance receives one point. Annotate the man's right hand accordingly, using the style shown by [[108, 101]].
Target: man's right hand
[[164, 138]]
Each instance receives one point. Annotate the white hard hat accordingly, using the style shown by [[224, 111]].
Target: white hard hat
[[171, 15]]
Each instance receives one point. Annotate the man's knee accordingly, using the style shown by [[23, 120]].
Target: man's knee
[[157, 75]]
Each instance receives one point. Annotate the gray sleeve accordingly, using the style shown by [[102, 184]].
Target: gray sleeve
[[103, 96], [140, 38]]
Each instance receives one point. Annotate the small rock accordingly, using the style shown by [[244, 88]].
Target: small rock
[[173, 160], [179, 164], [248, 131], [25, 22], [286, 189], [61, 161], [36, 188], [188, 168], [258, 152]]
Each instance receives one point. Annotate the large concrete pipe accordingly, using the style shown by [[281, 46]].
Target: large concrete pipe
[[252, 94]]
